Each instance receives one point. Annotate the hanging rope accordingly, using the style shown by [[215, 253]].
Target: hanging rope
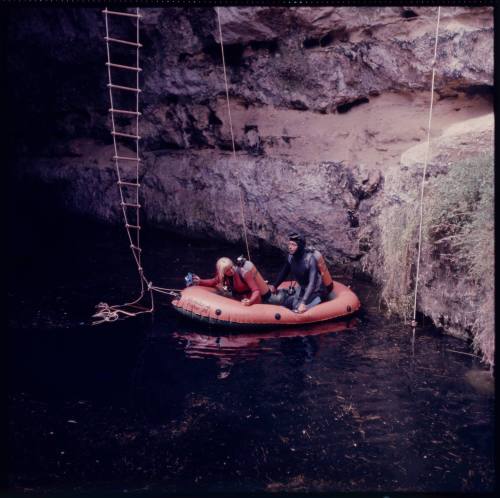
[[414, 322], [240, 189]]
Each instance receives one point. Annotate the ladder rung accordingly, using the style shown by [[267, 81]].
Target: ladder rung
[[124, 14], [128, 184], [126, 158], [128, 135], [135, 248], [123, 42], [123, 111], [128, 88], [121, 66], [137, 227], [128, 204]]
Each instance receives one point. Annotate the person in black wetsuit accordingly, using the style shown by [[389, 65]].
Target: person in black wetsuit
[[304, 269]]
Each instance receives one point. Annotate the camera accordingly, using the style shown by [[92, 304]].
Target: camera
[[241, 260], [189, 279]]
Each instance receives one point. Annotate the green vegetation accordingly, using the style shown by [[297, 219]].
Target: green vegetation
[[458, 244]]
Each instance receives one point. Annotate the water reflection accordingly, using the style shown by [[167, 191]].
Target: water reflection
[[229, 349]]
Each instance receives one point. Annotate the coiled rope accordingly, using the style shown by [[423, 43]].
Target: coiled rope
[[240, 188], [426, 159]]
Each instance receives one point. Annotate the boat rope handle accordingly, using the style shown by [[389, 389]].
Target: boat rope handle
[[426, 159], [240, 189]]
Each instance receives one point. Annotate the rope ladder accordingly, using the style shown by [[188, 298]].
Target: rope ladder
[[128, 186]]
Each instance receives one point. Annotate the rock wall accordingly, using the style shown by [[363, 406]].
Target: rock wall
[[329, 108], [456, 281]]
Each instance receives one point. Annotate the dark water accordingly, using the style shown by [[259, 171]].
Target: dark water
[[160, 403]]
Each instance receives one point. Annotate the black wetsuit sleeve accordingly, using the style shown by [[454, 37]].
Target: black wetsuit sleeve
[[313, 270], [282, 275]]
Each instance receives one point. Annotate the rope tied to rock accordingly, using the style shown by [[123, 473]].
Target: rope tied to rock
[[424, 172]]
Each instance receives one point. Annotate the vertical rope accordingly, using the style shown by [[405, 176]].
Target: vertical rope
[[137, 212], [414, 323], [137, 155], [243, 221]]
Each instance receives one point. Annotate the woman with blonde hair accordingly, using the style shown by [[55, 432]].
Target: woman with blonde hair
[[236, 280]]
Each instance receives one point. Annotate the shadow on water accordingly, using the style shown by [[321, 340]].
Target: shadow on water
[[161, 403]]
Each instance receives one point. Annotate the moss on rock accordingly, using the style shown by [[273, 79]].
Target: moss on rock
[[457, 246]]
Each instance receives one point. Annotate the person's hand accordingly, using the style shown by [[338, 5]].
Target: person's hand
[[301, 308], [196, 280], [246, 302], [272, 288]]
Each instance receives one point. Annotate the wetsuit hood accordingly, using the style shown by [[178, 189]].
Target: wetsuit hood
[[300, 240]]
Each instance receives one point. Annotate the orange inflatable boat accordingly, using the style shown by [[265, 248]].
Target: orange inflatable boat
[[206, 305]]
